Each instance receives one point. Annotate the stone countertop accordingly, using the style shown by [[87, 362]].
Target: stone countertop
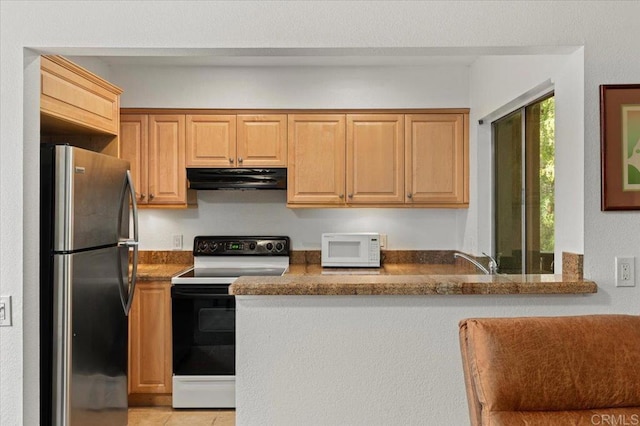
[[159, 271], [404, 279]]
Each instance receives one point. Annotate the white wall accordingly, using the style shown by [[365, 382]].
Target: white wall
[[366, 360], [494, 81], [264, 212], [293, 86], [610, 56]]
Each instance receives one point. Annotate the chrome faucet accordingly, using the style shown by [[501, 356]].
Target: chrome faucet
[[493, 265]]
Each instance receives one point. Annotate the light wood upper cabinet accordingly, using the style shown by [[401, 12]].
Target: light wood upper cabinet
[[375, 158], [316, 167], [211, 140], [73, 99], [167, 173], [262, 140], [436, 158], [134, 140], [150, 360], [245, 140], [155, 147]]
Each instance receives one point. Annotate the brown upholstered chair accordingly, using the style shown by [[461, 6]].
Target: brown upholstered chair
[[574, 370]]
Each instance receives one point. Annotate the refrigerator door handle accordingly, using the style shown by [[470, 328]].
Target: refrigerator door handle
[[130, 243], [134, 206]]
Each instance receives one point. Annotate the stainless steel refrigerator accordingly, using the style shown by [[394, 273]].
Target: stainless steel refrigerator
[[88, 226]]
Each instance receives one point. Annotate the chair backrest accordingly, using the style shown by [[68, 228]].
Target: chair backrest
[[550, 364]]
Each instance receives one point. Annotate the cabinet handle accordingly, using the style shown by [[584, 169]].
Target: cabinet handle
[[409, 195], [341, 196], [240, 160], [350, 195], [231, 160], [151, 196], [142, 196]]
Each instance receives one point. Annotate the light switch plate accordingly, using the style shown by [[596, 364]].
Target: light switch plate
[[383, 241], [625, 271], [5, 311]]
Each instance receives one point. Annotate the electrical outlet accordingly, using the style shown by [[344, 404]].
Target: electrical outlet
[[625, 272], [5, 311], [177, 242], [383, 241]]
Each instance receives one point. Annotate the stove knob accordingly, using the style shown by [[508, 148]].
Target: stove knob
[[252, 246], [202, 246], [269, 246], [213, 247], [279, 246]]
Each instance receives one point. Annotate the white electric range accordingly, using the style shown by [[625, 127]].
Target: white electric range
[[203, 322]]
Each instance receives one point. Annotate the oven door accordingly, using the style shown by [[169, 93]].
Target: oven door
[[203, 324]]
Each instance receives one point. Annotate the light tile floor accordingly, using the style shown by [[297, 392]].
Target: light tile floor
[[166, 416]]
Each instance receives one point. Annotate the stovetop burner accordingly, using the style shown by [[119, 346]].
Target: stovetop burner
[[233, 272]]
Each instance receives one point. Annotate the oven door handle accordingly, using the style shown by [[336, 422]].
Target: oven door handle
[[200, 295]]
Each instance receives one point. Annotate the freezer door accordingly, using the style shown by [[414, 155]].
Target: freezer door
[[90, 339], [88, 194]]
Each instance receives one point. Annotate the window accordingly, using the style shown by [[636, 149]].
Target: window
[[524, 150]]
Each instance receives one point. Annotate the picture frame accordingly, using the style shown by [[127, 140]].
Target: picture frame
[[620, 146]]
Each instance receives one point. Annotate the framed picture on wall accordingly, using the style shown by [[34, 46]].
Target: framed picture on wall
[[620, 146]]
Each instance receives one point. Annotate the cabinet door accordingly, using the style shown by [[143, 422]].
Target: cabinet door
[[150, 360], [316, 159], [167, 174], [435, 152], [78, 99], [262, 140], [375, 158], [211, 141], [133, 147]]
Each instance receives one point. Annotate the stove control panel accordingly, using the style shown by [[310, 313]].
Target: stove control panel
[[240, 246]]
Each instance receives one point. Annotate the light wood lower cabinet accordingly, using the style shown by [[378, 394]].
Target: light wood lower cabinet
[[150, 361]]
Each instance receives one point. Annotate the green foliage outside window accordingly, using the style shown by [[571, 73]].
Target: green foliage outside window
[[547, 174]]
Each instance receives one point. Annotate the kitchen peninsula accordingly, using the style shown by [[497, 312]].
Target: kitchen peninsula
[[324, 347], [376, 283]]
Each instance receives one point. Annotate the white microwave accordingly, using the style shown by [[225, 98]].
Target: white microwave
[[351, 250]]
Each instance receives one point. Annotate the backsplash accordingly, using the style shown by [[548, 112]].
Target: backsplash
[[572, 263]]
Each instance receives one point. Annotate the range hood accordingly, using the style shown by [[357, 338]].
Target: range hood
[[227, 178]]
